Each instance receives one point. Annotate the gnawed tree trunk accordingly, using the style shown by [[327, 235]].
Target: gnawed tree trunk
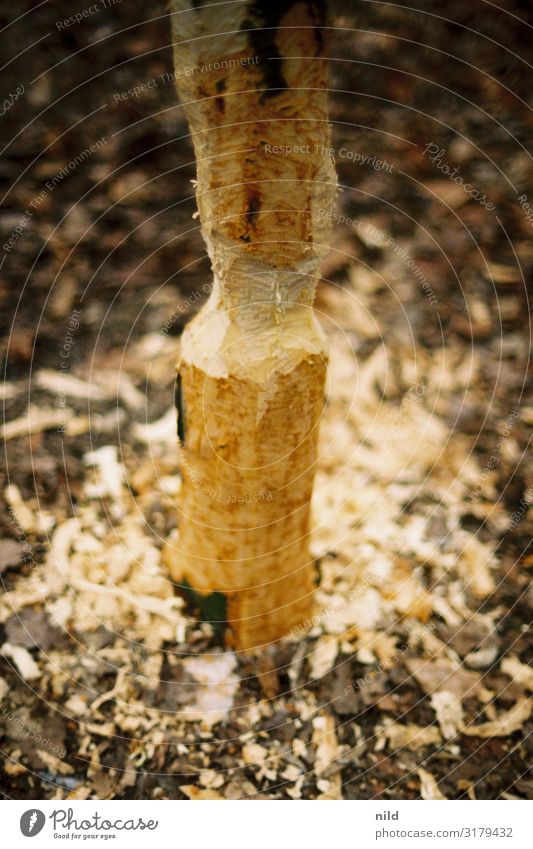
[[252, 79]]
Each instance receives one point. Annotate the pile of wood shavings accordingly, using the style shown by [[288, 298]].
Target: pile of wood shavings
[[398, 668]]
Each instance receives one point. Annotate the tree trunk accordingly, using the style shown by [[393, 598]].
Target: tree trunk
[[252, 80]]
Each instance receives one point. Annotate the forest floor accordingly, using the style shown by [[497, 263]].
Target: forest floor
[[413, 678]]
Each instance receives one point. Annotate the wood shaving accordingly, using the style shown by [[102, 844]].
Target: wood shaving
[[23, 661], [197, 794], [35, 420], [413, 737], [429, 789], [449, 712], [325, 741], [218, 686], [506, 723], [519, 672], [323, 656]]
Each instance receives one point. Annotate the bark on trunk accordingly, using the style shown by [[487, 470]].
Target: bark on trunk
[[252, 79]]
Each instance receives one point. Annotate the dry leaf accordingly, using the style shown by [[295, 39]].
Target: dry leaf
[[439, 675]]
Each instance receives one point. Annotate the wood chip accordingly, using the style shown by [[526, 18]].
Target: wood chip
[[506, 723], [323, 656], [35, 420], [163, 430], [55, 765], [198, 794], [449, 713], [23, 660], [477, 560], [66, 384], [331, 788], [109, 473], [502, 273], [519, 672], [217, 687], [253, 754], [325, 741], [429, 789], [411, 737]]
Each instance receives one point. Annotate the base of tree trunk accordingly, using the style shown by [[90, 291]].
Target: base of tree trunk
[[247, 457]]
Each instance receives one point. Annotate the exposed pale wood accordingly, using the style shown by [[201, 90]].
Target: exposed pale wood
[[253, 362]]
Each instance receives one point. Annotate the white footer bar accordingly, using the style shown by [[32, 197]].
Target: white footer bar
[[257, 825]]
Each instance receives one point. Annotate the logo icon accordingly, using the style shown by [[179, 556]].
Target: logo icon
[[32, 822]]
